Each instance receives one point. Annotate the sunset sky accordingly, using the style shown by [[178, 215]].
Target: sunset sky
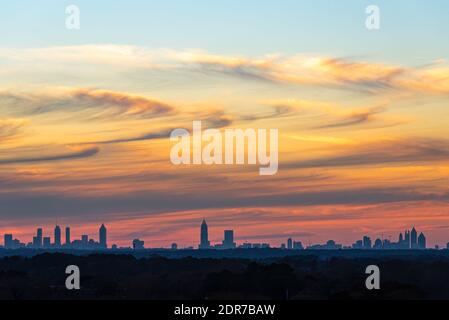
[[85, 117]]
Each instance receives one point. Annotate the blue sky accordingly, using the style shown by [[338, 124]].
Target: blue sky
[[250, 27]]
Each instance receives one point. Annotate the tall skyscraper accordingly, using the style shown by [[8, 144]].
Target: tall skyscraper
[[414, 239], [39, 238], [228, 242], [57, 236], [421, 241], [67, 236], [204, 244], [103, 237], [8, 241]]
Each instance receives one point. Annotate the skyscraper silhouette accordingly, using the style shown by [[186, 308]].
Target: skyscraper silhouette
[[204, 243], [290, 244], [407, 240], [8, 241], [228, 242], [67, 236], [57, 236], [414, 239], [103, 237], [39, 238]]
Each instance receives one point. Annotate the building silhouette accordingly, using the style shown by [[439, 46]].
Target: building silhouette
[[138, 244], [38, 239], [228, 242], [67, 237], [414, 239], [407, 240], [46, 243], [204, 241], [8, 241], [290, 244], [103, 237], [422, 241], [367, 242], [57, 236]]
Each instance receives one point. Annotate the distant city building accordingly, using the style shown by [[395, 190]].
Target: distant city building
[[377, 244], [330, 245], [414, 239], [174, 246], [103, 237], [228, 242], [57, 236], [84, 240], [138, 244], [290, 244], [46, 243], [204, 241], [407, 240], [8, 241], [421, 241], [38, 240], [358, 245], [297, 245], [67, 236], [367, 243]]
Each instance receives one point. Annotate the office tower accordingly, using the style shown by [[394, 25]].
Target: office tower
[[39, 238], [8, 241], [67, 236], [413, 239], [204, 244], [367, 243], [228, 242], [407, 240], [57, 236], [421, 241], [138, 244], [46, 243], [290, 244], [103, 237]]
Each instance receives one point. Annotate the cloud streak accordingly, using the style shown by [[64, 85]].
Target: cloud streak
[[86, 153], [90, 104], [298, 69], [388, 152]]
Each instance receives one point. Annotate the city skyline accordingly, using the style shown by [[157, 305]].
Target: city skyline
[[410, 239]]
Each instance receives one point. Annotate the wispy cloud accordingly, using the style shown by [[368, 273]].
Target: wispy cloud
[[10, 128], [386, 152], [354, 118], [85, 153], [298, 69], [90, 104]]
